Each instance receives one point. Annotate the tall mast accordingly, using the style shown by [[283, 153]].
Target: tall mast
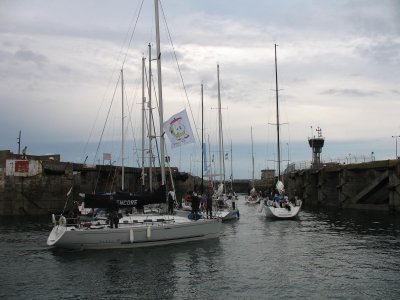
[[221, 154], [252, 158], [150, 133], [162, 137], [143, 117], [123, 133], [202, 141], [210, 165], [277, 117], [231, 168]]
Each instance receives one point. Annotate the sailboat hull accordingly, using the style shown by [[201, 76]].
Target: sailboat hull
[[252, 200], [134, 234], [271, 211], [227, 214], [223, 215]]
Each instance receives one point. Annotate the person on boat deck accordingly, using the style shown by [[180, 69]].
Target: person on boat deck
[[221, 202], [195, 205], [271, 194], [140, 207], [128, 211], [188, 198], [113, 216], [76, 212], [113, 219], [233, 201], [286, 202], [278, 199], [179, 201], [203, 201], [209, 203], [171, 201]]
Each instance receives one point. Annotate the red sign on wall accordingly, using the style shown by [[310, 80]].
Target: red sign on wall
[[21, 166]]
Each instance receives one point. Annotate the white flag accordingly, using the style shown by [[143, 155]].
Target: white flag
[[178, 129]]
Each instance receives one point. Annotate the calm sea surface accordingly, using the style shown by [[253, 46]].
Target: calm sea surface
[[322, 255]]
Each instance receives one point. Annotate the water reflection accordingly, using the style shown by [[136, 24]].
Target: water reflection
[[354, 221], [323, 254], [196, 265], [151, 273]]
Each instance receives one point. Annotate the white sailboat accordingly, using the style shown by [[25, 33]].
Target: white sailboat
[[280, 207], [135, 230]]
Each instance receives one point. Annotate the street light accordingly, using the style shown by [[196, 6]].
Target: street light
[[396, 136]]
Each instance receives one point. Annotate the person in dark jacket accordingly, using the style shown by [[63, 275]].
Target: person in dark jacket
[[209, 204], [171, 202], [195, 206]]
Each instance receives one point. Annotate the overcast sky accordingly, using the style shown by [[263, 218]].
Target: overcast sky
[[338, 68]]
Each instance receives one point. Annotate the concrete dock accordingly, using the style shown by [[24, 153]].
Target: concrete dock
[[373, 185]]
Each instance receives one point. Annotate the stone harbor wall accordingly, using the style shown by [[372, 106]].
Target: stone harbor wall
[[371, 186], [40, 185]]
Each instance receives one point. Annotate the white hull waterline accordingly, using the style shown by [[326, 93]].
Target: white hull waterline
[[134, 231], [227, 214], [224, 214], [252, 200], [271, 210]]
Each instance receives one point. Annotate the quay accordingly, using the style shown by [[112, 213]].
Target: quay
[[372, 185], [38, 185]]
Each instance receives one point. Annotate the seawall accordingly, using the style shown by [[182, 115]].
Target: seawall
[[372, 186], [39, 185]]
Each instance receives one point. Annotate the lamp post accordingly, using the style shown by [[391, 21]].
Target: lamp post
[[396, 136]]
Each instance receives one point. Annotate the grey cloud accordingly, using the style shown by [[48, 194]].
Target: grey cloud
[[349, 92], [5, 55], [373, 17], [64, 69], [384, 50], [30, 56], [170, 54]]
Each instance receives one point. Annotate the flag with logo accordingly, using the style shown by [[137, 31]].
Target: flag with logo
[[178, 129]]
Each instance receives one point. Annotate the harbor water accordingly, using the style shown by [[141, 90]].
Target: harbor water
[[323, 254]]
